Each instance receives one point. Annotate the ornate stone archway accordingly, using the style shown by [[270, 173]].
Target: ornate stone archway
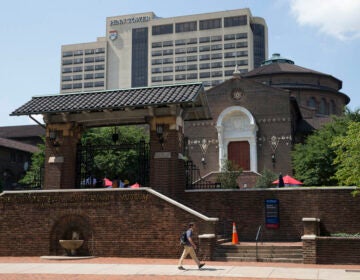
[[236, 123]]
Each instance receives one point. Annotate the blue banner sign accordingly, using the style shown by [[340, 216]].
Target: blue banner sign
[[272, 219]]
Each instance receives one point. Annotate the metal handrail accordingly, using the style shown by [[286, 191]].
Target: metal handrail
[[258, 234]]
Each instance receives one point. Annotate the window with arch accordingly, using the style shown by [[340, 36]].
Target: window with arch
[[312, 102], [323, 108], [332, 107]]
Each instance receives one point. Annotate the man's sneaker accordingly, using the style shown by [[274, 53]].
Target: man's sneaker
[[201, 265], [181, 268]]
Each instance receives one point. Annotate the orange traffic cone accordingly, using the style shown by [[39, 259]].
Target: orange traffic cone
[[235, 239]]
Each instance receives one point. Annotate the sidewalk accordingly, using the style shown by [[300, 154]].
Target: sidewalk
[[13, 268]]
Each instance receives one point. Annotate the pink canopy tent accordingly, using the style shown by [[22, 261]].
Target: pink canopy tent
[[135, 186], [107, 182], [289, 181]]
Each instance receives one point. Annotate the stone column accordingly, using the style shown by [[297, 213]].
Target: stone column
[[167, 169], [207, 243], [311, 231], [60, 156]]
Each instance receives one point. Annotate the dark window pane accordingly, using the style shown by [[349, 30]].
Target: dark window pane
[[235, 21], [210, 24], [162, 29]]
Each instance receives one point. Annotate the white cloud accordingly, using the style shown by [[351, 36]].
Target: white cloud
[[338, 18]]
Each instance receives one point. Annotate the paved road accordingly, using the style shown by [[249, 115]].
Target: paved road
[[119, 268]]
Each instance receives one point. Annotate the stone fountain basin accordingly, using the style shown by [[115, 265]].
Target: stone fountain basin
[[71, 244]]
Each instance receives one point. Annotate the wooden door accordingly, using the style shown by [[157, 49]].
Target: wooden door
[[239, 153]]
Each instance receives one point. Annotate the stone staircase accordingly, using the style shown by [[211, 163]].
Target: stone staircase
[[265, 252]]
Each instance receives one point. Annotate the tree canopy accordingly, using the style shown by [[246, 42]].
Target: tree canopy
[[318, 160]]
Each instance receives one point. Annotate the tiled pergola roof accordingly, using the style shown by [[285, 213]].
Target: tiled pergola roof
[[186, 95]]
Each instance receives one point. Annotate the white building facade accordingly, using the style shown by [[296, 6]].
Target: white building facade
[[142, 50]]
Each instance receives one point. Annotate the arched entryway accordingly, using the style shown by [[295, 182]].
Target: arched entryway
[[237, 138]]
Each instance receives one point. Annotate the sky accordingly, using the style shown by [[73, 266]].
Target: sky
[[322, 35]]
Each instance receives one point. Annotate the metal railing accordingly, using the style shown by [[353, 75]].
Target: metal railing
[[258, 236], [194, 179]]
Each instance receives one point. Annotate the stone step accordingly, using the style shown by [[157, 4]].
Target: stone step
[[267, 253]]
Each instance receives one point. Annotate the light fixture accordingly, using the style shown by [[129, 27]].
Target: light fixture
[[203, 161], [273, 159], [160, 134], [54, 138]]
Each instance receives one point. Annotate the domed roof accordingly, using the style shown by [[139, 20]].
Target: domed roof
[[278, 64]]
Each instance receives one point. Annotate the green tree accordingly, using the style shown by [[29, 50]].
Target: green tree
[[229, 174], [32, 177], [347, 150], [265, 179], [314, 161]]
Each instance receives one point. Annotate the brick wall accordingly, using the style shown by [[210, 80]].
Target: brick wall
[[113, 222], [335, 207]]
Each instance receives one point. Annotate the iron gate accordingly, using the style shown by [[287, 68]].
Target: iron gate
[[123, 161]]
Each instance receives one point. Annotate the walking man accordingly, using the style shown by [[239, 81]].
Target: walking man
[[189, 248]]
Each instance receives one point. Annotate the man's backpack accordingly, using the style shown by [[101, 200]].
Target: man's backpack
[[183, 238]]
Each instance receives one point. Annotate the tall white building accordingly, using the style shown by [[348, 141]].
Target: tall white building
[[144, 50]]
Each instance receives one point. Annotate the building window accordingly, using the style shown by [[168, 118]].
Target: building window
[[89, 59], [216, 74], [77, 77], [216, 65], [79, 52], [156, 53], [210, 24], [204, 57], [99, 75], [216, 38], [228, 37], [180, 50], [186, 26], [180, 59], [179, 68], [99, 84], [66, 78], [89, 68], [66, 86], [204, 75], [139, 56], [67, 70], [156, 61], [100, 50], [88, 85], [204, 65], [191, 49], [192, 67], [78, 60], [89, 51], [156, 79], [167, 69], [229, 63], [191, 76], [312, 102], [229, 73], [168, 78], [77, 85], [67, 54], [242, 62], [242, 44], [77, 69], [241, 36], [323, 108], [216, 47], [167, 43], [156, 70], [204, 48], [67, 61], [168, 52], [192, 58], [180, 42], [235, 21], [332, 107], [167, 60], [89, 76], [216, 56], [100, 67], [192, 41], [156, 45], [229, 46], [162, 29], [204, 39], [99, 58], [180, 77]]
